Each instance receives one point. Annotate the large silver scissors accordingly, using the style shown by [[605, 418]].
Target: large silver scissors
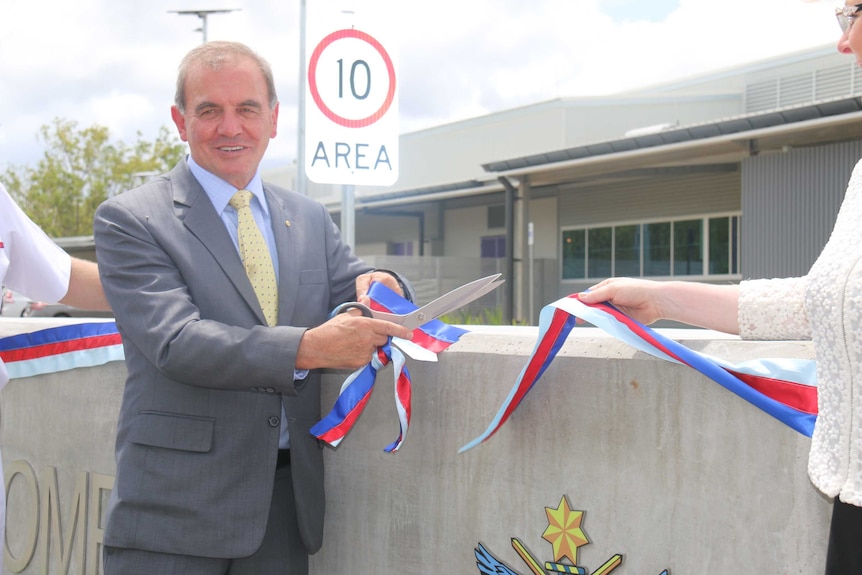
[[444, 304]]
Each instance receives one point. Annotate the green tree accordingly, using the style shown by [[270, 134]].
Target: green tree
[[80, 169]]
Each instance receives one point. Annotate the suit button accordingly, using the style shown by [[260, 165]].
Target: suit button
[[274, 421]]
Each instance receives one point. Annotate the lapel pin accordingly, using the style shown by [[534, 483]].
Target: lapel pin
[[287, 223]]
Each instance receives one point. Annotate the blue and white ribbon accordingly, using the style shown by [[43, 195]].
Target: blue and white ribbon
[[783, 388], [61, 348]]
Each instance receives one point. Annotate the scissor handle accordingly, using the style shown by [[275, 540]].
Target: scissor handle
[[347, 306]]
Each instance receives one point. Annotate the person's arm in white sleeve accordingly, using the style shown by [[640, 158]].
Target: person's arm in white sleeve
[[85, 287]]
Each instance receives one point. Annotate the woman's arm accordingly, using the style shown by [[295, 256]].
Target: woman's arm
[[699, 304]]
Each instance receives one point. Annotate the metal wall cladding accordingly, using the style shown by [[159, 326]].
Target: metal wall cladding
[[793, 89], [789, 204], [650, 199]]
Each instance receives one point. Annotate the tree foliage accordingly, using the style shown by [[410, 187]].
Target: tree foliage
[[80, 169]]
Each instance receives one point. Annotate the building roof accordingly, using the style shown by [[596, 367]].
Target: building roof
[[809, 124]]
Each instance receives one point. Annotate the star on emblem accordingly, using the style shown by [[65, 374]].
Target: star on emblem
[[564, 531]]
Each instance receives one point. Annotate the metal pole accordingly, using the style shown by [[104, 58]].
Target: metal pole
[[301, 180], [530, 286], [509, 304], [348, 215], [202, 14]]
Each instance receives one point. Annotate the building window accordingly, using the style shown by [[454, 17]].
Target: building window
[[627, 251], [574, 254], [699, 247], [496, 217], [656, 249], [723, 245], [400, 248], [599, 249], [688, 248], [493, 247]]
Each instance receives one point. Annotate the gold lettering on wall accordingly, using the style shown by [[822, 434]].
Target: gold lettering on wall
[[56, 549], [100, 489], [64, 533], [22, 489]]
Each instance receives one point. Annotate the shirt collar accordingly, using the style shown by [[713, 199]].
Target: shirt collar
[[220, 192]]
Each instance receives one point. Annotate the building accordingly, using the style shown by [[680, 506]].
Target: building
[[729, 175]]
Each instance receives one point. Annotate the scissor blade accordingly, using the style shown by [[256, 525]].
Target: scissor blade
[[414, 350], [451, 301]]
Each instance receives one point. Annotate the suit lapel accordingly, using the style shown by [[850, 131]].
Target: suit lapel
[[201, 219], [283, 229]]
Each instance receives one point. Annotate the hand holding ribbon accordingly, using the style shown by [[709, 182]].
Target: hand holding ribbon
[[434, 336], [783, 388]]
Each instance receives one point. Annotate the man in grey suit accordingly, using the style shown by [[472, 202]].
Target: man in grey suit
[[216, 469]]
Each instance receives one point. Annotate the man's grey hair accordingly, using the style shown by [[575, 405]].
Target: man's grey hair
[[213, 55]]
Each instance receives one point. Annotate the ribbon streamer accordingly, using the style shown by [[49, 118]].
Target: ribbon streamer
[[783, 388], [355, 393], [61, 348], [434, 336]]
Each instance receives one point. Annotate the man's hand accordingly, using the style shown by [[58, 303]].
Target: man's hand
[[346, 341], [364, 282]]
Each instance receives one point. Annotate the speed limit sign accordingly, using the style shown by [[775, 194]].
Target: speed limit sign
[[351, 121]]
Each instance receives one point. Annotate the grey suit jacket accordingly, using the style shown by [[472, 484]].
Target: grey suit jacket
[[198, 429]]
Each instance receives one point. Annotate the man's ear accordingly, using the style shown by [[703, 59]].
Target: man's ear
[[274, 130], [180, 121]]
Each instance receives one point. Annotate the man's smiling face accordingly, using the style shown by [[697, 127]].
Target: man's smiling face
[[227, 119]]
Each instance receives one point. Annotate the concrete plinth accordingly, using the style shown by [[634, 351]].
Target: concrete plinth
[[670, 470]]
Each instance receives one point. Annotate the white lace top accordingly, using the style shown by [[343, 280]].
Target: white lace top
[[826, 307]]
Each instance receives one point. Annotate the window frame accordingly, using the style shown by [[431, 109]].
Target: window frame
[[734, 220]]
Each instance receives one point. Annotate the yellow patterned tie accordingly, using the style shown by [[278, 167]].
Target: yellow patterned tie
[[256, 257]]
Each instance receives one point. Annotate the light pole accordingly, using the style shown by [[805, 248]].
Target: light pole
[[301, 180], [202, 14]]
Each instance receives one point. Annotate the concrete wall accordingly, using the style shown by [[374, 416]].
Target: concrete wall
[[670, 470]]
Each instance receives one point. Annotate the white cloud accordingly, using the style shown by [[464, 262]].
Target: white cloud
[[114, 63], [121, 112]]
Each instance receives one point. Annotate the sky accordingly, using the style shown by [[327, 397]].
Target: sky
[[113, 63]]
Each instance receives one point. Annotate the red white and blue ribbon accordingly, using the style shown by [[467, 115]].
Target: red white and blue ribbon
[[434, 336], [61, 348], [355, 393], [783, 388]]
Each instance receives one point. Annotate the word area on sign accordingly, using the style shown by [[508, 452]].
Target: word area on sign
[[351, 157]]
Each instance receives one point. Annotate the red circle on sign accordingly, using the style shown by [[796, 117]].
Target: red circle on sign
[[312, 81]]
